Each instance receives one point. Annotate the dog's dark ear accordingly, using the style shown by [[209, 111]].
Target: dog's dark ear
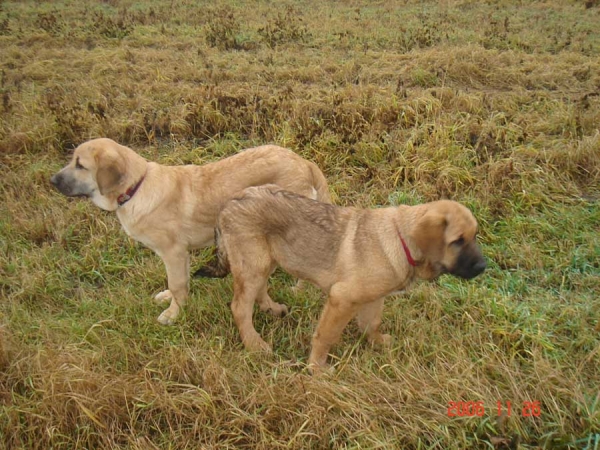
[[429, 235], [110, 172]]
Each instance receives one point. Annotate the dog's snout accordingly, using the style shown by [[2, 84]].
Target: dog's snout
[[479, 266], [63, 184], [469, 264]]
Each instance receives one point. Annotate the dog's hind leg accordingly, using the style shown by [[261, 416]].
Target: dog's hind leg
[[250, 266], [267, 304], [246, 288], [369, 320]]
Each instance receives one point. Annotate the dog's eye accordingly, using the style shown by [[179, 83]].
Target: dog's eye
[[459, 242], [78, 165]]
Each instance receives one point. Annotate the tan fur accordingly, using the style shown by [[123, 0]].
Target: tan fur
[[354, 255], [175, 208]]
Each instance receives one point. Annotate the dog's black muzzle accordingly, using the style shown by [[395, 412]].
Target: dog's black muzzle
[[68, 186], [469, 264]]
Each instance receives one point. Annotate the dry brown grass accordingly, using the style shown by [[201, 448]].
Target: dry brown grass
[[493, 104]]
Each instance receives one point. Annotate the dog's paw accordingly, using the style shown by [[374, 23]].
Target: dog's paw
[[317, 363], [383, 340], [168, 317], [275, 309], [257, 344], [278, 309], [163, 297], [320, 370]]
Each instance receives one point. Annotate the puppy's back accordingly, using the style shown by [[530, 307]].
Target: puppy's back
[[300, 232]]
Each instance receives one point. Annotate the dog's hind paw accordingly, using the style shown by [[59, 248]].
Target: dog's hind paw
[[163, 297], [257, 344], [278, 309], [383, 340], [320, 370], [283, 310], [167, 317]]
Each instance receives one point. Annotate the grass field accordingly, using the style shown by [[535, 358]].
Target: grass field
[[495, 104]]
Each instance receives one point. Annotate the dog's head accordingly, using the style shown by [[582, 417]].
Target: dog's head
[[100, 170], [446, 236]]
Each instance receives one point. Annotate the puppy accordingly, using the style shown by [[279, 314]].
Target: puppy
[[173, 209], [356, 256]]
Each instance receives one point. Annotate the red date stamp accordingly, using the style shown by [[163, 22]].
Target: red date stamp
[[472, 409]]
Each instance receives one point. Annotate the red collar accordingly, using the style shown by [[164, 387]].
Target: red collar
[[124, 198], [409, 257]]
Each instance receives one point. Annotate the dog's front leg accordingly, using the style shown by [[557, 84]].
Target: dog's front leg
[[177, 262], [339, 310], [369, 320]]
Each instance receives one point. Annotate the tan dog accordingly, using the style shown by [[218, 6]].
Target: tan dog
[[357, 256], [174, 209]]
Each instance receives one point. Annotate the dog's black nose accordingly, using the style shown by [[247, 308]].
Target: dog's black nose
[[54, 180], [479, 266]]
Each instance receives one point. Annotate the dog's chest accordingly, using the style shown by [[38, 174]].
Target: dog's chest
[[128, 230], [131, 232], [137, 232]]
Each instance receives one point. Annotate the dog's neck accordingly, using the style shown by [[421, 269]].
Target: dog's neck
[[136, 172], [422, 267], [409, 257], [126, 196]]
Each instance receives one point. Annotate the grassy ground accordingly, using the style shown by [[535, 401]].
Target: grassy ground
[[494, 104]]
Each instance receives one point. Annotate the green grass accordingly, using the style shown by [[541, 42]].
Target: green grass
[[492, 104]]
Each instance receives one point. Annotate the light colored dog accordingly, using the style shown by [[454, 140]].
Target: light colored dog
[[356, 256], [173, 209]]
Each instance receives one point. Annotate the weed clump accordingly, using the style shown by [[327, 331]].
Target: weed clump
[[223, 28], [112, 27], [284, 28], [50, 22]]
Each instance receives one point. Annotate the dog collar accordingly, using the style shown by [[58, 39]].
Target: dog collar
[[124, 198], [409, 257]]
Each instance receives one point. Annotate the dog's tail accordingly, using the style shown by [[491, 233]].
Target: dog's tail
[[320, 184], [218, 267]]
